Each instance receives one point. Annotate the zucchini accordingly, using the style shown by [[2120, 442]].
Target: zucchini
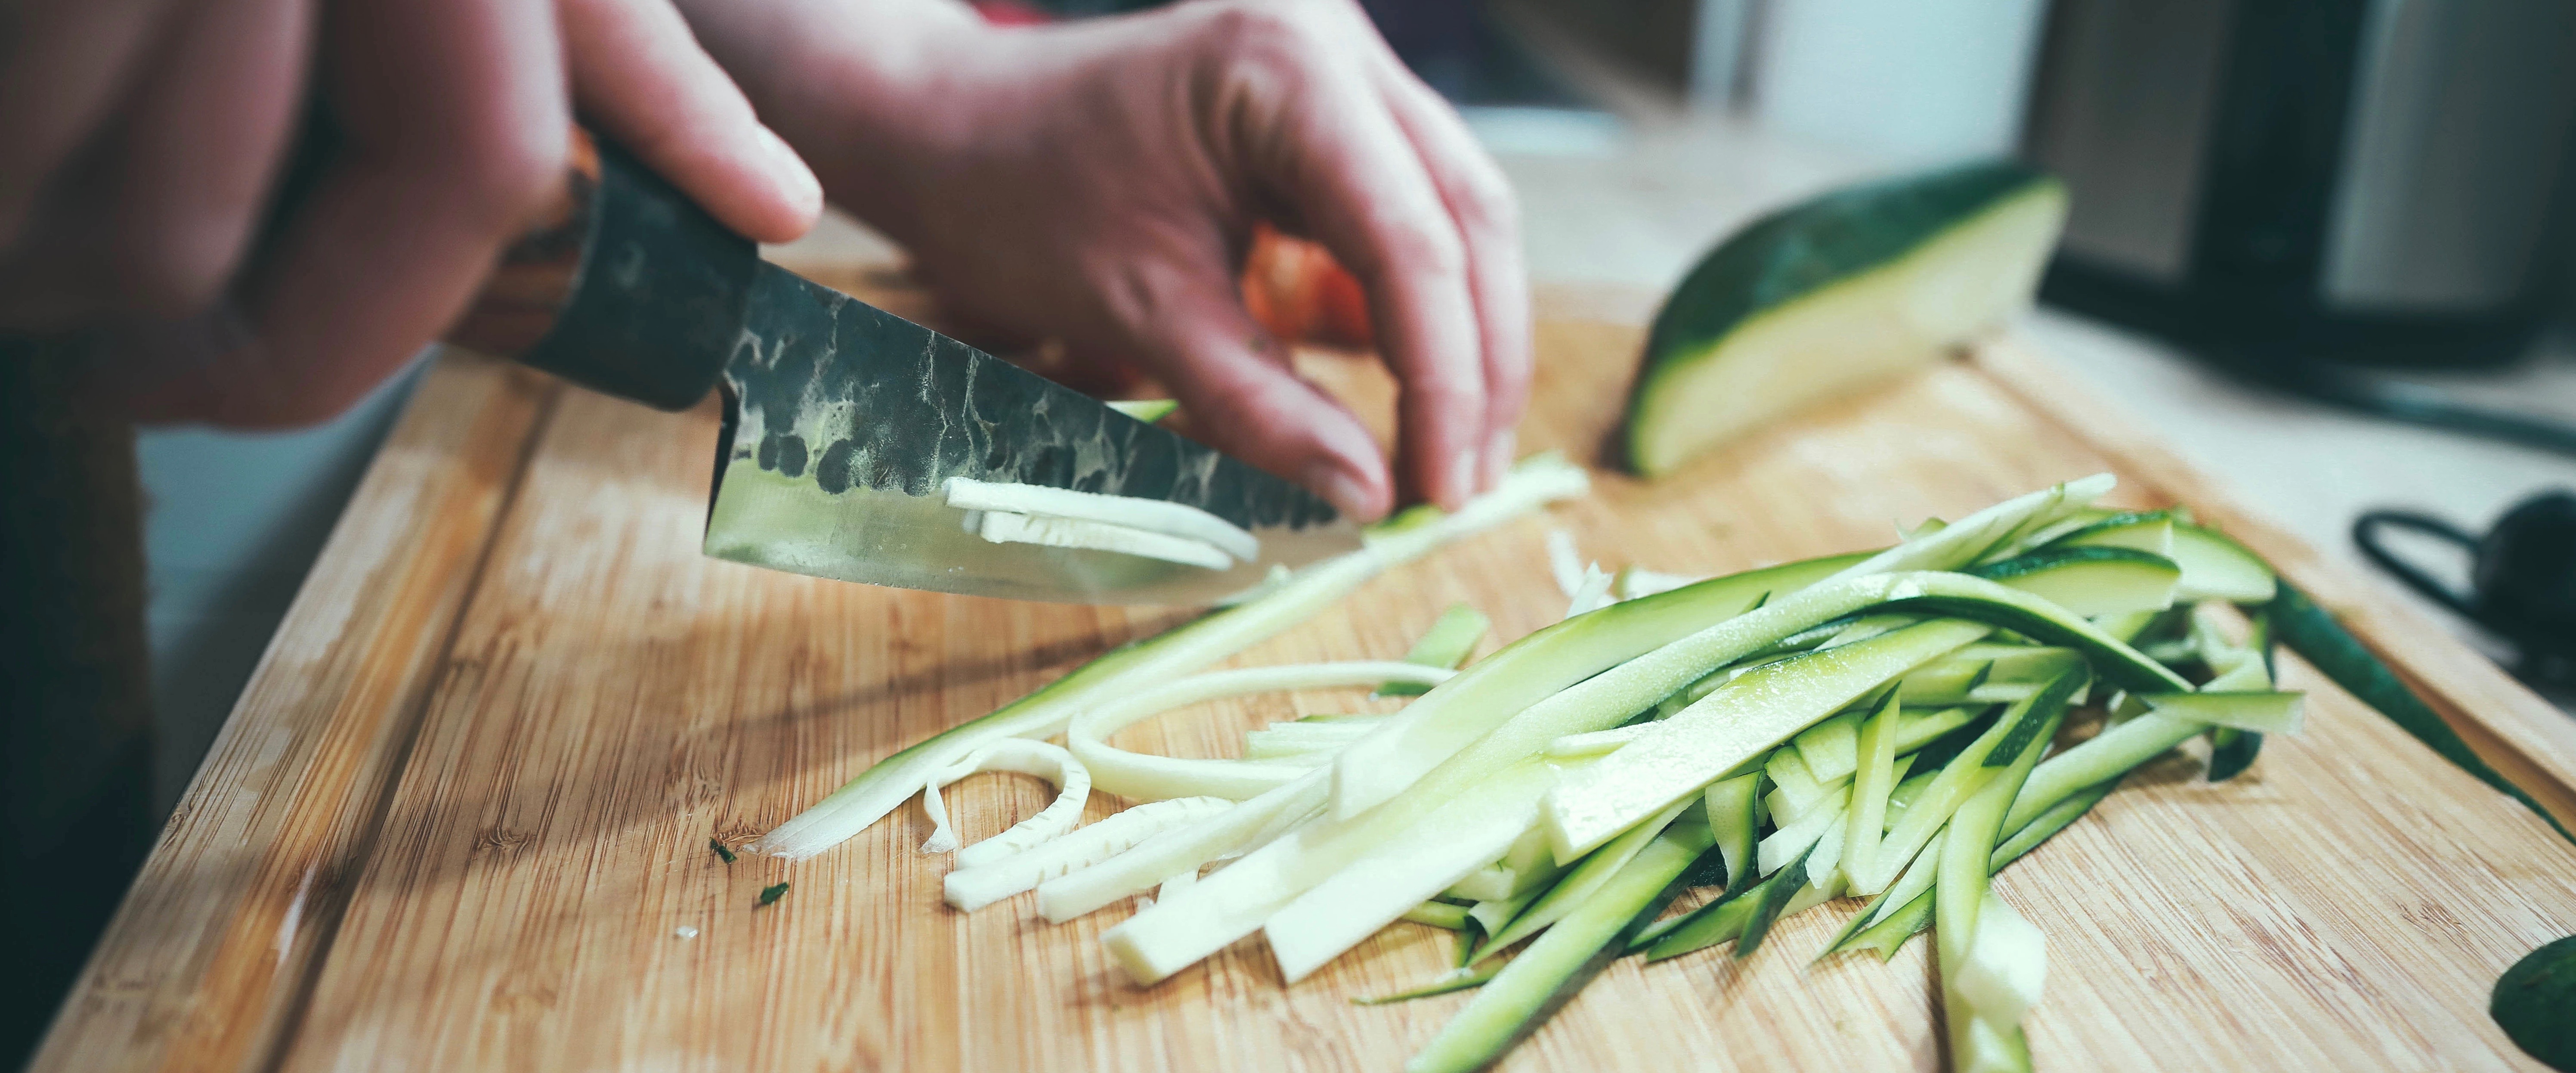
[[2150, 531], [1534, 482], [1446, 645], [1740, 722], [2090, 580], [1983, 1035], [1827, 296], [2262, 712], [1544, 977], [2216, 567], [1579, 885], [1732, 826], [1966, 775], [1445, 983], [1875, 779], [1148, 411], [2314, 634]]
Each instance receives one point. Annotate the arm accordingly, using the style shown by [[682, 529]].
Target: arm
[[1098, 182]]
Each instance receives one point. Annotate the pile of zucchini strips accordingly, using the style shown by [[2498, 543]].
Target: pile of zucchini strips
[[1897, 725]]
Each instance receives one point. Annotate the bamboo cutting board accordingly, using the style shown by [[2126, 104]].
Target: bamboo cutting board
[[460, 819]]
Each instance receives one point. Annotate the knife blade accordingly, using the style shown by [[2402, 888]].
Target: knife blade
[[843, 423]]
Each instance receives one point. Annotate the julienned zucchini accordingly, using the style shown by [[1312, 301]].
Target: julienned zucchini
[[1854, 286]]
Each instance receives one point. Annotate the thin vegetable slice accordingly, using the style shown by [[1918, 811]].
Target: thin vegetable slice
[[1543, 978], [1446, 645], [1147, 777], [1875, 780], [973, 888], [862, 801], [1731, 727], [1155, 516], [1073, 784]]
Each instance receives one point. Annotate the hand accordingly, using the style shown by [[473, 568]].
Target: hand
[[1098, 182], [140, 141]]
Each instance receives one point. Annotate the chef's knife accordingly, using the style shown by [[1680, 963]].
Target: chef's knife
[[843, 423]]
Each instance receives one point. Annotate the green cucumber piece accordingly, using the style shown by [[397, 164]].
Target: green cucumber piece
[[1145, 410], [2231, 750], [2013, 735], [2531, 1001], [1543, 978], [1455, 980], [1439, 915], [1595, 871], [1827, 296], [2263, 712], [1982, 1037], [2091, 581], [1446, 645], [2216, 567], [1889, 935], [1767, 909], [1733, 826], [1829, 748], [1200, 643], [1876, 778], [2313, 633], [2150, 531]]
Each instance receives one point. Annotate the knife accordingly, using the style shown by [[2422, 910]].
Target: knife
[[843, 424]]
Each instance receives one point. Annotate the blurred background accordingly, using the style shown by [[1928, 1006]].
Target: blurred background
[[2320, 247]]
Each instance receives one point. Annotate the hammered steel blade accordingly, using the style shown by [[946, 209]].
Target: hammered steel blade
[[843, 423]]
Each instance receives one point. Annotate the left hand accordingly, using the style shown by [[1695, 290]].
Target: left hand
[[1098, 182]]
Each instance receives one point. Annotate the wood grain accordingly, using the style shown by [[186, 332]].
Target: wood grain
[[610, 700], [207, 961]]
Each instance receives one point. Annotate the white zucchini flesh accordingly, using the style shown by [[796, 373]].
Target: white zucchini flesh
[[1808, 831], [1072, 781], [973, 888], [1579, 885], [1831, 748], [1593, 743], [1533, 483], [1732, 823], [2007, 965], [1004, 527], [1239, 899], [1366, 895], [1157, 859], [1147, 777], [1591, 594], [2261, 712], [1564, 563], [1635, 581], [1177, 520], [1733, 725]]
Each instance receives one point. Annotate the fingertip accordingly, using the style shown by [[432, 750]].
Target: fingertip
[[1361, 493], [797, 190]]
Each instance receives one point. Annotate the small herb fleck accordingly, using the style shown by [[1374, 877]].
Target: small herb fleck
[[721, 850], [771, 894]]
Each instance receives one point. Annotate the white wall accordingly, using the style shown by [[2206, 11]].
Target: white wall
[[1912, 80]]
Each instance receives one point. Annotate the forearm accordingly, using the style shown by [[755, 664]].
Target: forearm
[[866, 90]]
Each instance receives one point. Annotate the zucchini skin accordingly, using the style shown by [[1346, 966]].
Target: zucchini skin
[[1804, 249], [2314, 634]]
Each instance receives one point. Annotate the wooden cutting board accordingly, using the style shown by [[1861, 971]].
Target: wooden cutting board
[[460, 819]]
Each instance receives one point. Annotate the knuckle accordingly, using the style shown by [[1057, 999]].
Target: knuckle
[[506, 175], [1281, 34], [1488, 201], [1422, 246]]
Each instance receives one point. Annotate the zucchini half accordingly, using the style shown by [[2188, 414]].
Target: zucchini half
[[1854, 286]]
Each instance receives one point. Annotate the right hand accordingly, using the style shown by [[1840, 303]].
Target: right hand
[[140, 141]]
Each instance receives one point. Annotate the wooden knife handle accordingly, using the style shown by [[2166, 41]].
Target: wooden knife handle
[[622, 285]]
